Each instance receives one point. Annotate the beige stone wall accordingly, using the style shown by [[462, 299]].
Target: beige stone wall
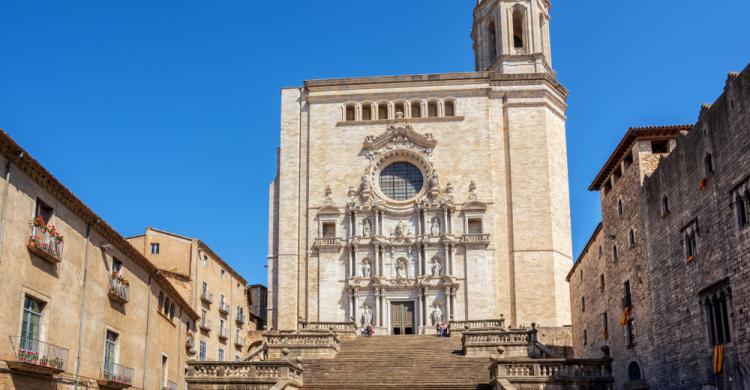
[[143, 333]]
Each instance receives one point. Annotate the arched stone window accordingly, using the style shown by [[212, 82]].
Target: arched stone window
[[366, 111], [400, 108], [690, 244], [432, 109], [741, 207], [708, 164], [615, 254], [416, 109], [620, 209], [383, 110], [664, 206], [171, 311], [350, 112], [401, 181], [491, 42], [160, 302], [631, 237], [519, 28], [634, 372], [165, 309], [450, 108]]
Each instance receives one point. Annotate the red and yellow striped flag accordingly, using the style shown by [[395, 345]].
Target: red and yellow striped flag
[[718, 359], [625, 316], [605, 334]]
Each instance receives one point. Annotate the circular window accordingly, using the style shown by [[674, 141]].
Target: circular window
[[401, 181]]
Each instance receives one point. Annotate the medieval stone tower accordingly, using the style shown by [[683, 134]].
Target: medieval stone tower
[[408, 200]]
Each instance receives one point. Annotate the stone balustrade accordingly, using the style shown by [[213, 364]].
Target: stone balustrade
[[328, 243], [460, 326], [345, 330], [307, 344], [493, 342], [553, 374], [244, 375]]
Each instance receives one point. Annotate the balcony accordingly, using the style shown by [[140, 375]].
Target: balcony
[[240, 318], [239, 341], [169, 386], [119, 288], [38, 357], [206, 325], [475, 239], [207, 297], [224, 308], [115, 376], [327, 243], [223, 333], [45, 242]]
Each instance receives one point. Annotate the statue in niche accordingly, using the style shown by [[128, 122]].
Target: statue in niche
[[352, 194], [366, 268], [434, 183], [437, 314], [327, 198], [366, 228], [366, 183], [401, 230], [436, 267], [401, 269], [435, 226], [472, 195], [366, 316]]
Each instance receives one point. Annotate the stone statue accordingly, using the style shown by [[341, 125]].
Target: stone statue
[[472, 195], [434, 183], [327, 198], [435, 226], [436, 267], [365, 183], [366, 227], [437, 315], [401, 230], [366, 268], [366, 316], [352, 194], [401, 269]]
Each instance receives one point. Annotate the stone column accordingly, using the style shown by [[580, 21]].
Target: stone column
[[418, 248], [376, 225], [351, 305], [425, 292], [377, 307], [445, 219], [356, 305], [448, 306], [448, 260], [421, 218]]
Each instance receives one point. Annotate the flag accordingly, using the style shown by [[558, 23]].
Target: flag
[[625, 316], [718, 358]]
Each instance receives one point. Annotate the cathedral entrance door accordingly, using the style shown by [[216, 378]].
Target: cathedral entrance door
[[402, 317]]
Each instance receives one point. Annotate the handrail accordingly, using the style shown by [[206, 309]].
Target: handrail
[[113, 372], [39, 353]]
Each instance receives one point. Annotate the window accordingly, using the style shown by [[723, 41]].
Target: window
[[634, 372], [432, 109], [221, 300], [601, 282], [716, 306], [31, 326], [631, 332], [708, 164], [741, 208], [585, 337], [664, 206], [580, 275], [492, 41], [222, 274], [627, 299], [171, 311], [155, 249], [382, 111], [164, 372], [329, 229], [401, 181], [615, 255], [116, 265], [366, 112], [350, 112], [600, 251], [605, 326], [450, 108], [660, 147], [202, 351], [400, 109], [160, 302], [583, 304], [474, 225], [416, 110], [690, 242], [110, 351], [631, 237], [620, 210], [44, 211], [221, 354], [628, 161], [519, 28], [165, 309]]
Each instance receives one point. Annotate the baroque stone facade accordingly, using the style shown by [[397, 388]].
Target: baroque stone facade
[[402, 202], [671, 300]]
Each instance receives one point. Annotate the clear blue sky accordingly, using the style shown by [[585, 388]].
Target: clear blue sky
[[167, 113]]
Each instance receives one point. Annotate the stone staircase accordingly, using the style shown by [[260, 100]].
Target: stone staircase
[[398, 362]]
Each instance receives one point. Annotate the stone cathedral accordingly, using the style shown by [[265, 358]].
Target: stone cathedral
[[406, 201]]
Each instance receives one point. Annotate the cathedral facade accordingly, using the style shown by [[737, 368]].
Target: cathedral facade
[[402, 202]]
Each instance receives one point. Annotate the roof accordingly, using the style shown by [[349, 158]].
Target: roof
[[34, 170], [626, 143], [206, 248], [585, 250]]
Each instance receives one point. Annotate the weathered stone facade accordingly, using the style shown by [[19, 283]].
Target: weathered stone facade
[[688, 268], [487, 230]]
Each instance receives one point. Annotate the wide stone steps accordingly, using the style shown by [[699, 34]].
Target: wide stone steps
[[398, 362]]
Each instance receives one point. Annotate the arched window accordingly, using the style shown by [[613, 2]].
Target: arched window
[[492, 42], [401, 181], [382, 111], [166, 306], [450, 108], [400, 109], [690, 244], [351, 111], [631, 236], [366, 112], [708, 164], [634, 372], [519, 28], [432, 109], [741, 206], [664, 206], [161, 300], [615, 255], [416, 109], [620, 209], [171, 311]]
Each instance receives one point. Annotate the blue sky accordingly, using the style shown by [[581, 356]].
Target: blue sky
[[167, 113]]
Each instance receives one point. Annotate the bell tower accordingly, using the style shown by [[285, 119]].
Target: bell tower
[[512, 36]]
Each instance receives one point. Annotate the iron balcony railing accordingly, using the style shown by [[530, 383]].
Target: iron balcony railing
[[170, 386], [207, 297], [119, 288], [206, 324], [223, 333], [239, 341], [115, 373], [46, 242], [240, 318], [39, 353], [224, 308]]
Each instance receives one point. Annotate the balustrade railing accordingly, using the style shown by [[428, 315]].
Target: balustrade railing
[[115, 373], [255, 373], [580, 369], [477, 324], [119, 288], [327, 242], [224, 308], [313, 344], [326, 326], [223, 333], [45, 241], [475, 238], [239, 341], [207, 296], [206, 324], [240, 318], [38, 353]]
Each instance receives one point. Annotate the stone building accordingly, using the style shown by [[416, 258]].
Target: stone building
[[81, 307], [664, 282], [409, 200], [214, 290], [257, 299]]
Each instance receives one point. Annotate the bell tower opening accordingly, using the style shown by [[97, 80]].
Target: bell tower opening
[[519, 30]]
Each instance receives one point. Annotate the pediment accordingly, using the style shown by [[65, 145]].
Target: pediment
[[400, 134]]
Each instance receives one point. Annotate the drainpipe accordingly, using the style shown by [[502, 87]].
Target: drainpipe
[[83, 300], [148, 318], [5, 199]]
